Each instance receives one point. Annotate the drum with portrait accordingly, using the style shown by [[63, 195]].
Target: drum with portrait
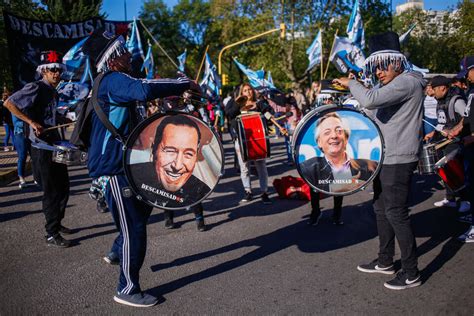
[[337, 150], [173, 160]]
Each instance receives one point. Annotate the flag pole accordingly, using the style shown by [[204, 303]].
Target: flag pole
[[330, 53], [322, 65], [158, 44], [202, 63]]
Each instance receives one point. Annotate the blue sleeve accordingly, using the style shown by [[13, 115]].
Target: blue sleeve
[[25, 98], [122, 88]]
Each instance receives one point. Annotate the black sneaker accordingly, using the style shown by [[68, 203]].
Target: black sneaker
[[57, 241], [266, 199], [248, 197], [102, 206], [313, 220], [65, 230], [112, 258], [136, 300], [201, 226], [376, 267], [403, 281], [169, 224]]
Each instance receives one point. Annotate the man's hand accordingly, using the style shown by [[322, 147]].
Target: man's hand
[[343, 81], [429, 136], [37, 128]]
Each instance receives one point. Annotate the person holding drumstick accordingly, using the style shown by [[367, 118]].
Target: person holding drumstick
[[396, 102], [247, 102]]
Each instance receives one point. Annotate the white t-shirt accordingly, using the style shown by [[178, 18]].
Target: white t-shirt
[[429, 105]]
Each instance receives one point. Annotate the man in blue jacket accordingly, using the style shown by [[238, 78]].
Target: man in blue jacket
[[117, 96]]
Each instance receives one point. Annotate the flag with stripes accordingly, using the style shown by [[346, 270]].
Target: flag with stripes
[[355, 28], [256, 78], [314, 52], [211, 82], [148, 63], [182, 61]]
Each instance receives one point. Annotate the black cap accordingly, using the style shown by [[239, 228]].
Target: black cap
[[101, 45], [437, 81]]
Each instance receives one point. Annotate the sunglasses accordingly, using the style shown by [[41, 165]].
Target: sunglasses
[[55, 70]]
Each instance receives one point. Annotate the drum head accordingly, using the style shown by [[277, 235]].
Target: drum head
[[338, 150], [173, 160]]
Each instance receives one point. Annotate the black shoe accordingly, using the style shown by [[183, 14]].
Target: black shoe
[[136, 300], [65, 230], [313, 220], [376, 267], [169, 224], [266, 199], [57, 241], [403, 281], [248, 197], [337, 222], [201, 226], [102, 206], [112, 258]]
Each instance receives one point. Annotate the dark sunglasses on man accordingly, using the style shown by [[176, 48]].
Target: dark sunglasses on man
[[55, 70]]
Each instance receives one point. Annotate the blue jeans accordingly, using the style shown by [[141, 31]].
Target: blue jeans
[[23, 147], [8, 135]]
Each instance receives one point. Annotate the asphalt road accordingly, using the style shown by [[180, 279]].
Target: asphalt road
[[254, 259]]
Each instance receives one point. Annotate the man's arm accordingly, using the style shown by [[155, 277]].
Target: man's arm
[[22, 116]]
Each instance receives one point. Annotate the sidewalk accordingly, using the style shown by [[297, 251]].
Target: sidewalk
[[8, 163]]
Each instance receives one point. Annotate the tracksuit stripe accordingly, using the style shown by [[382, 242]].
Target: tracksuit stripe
[[126, 239]]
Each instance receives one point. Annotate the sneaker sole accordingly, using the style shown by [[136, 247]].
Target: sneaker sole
[[58, 246], [404, 287], [375, 271], [121, 301], [114, 263]]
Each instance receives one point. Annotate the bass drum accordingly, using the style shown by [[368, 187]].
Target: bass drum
[[337, 150], [253, 141], [173, 160]]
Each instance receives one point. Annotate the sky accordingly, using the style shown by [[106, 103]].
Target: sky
[[115, 8]]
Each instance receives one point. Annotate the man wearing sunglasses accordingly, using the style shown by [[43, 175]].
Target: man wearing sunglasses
[[396, 105], [35, 104]]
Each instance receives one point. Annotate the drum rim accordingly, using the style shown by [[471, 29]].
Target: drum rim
[[327, 108], [133, 135]]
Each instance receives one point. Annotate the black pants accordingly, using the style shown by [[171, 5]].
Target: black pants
[[198, 211], [316, 208], [391, 190], [55, 184]]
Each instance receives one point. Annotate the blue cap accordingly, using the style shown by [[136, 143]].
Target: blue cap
[[465, 64]]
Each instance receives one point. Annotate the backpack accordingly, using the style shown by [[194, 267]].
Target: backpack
[[81, 134]]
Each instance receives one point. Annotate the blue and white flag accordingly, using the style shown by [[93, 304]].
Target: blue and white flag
[[211, 82], [77, 79], [405, 36], [134, 46], [182, 61], [314, 52], [148, 63], [256, 78], [347, 56], [355, 27], [269, 77]]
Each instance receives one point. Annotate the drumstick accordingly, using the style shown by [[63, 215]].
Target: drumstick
[[270, 117], [443, 143], [57, 126], [435, 127]]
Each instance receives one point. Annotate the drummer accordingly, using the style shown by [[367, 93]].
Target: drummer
[[247, 102], [35, 104], [396, 102], [116, 94]]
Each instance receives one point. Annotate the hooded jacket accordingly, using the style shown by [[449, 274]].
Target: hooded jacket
[[397, 109]]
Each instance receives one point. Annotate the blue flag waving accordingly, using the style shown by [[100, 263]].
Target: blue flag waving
[[355, 28], [211, 83], [314, 52], [148, 63], [256, 78], [182, 61], [134, 46]]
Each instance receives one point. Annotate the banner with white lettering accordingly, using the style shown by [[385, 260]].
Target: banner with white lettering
[[27, 38]]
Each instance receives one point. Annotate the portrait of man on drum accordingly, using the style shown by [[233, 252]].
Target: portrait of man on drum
[[336, 171], [168, 178]]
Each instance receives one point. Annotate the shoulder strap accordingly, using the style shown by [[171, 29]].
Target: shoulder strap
[[98, 110], [451, 108]]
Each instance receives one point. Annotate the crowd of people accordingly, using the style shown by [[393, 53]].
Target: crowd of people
[[398, 101]]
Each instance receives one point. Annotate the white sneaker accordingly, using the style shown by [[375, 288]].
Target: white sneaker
[[464, 206], [23, 185], [467, 236], [445, 202]]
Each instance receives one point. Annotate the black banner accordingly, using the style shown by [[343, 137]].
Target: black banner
[[27, 38]]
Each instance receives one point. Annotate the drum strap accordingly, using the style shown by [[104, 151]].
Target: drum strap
[[100, 113]]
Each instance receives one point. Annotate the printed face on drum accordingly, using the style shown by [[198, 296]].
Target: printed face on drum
[[332, 138], [176, 156]]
